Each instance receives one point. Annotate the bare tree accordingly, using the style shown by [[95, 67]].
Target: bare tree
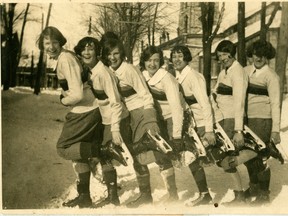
[[241, 55], [282, 51], [22, 32], [207, 20], [10, 51], [125, 19], [265, 26], [42, 60], [133, 22], [154, 24]]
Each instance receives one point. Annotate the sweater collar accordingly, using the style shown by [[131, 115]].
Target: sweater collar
[[258, 71], [121, 68], [156, 78], [231, 67], [181, 76]]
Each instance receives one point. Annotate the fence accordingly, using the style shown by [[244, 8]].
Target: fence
[[26, 76]]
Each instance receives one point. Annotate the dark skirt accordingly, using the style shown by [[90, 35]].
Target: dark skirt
[[80, 132]]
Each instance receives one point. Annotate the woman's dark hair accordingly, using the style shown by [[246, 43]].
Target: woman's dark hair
[[181, 49], [83, 43], [261, 48], [108, 35], [54, 34], [147, 53], [227, 47], [109, 45]]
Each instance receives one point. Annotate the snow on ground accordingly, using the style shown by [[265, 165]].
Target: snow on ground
[[218, 182]]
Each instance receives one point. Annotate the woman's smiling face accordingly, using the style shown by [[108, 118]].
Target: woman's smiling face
[[114, 58], [225, 58], [153, 64], [88, 55], [259, 62], [178, 61], [52, 47]]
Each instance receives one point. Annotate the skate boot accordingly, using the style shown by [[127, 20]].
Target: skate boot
[[112, 198], [83, 200], [238, 200], [110, 178], [252, 191], [145, 192], [143, 199], [203, 199], [168, 176], [201, 182], [262, 198]]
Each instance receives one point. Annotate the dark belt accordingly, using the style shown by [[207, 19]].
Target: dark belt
[[64, 84], [190, 100], [224, 89], [126, 91], [85, 75], [99, 94], [157, 95], [257, 90]]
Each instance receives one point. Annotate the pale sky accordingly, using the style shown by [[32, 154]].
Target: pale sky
[[70, 18]]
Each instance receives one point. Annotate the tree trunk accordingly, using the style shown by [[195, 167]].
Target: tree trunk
[[11, 48], [22, 33], [207, 20], [265, 26], [263, 30], [207, 65], [129, 39], [149, 34], [241, 55], [153, 27], [281, 55], [41, 63]]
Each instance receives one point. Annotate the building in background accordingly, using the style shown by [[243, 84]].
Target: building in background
[[190, 32]]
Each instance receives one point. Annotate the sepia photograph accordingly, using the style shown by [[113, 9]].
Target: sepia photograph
[[144, 108]]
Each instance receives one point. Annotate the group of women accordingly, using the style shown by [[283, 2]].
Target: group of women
[[115, 103]]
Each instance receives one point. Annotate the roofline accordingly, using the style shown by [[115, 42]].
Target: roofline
[[175, 40], [258, 12]]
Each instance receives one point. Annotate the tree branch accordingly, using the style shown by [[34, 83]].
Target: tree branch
[[218, 22], [273, 14], [18, 16]]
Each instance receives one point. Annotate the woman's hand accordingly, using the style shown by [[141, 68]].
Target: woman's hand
[[117, 138], [210, 138], [275, 137], [238, 140]]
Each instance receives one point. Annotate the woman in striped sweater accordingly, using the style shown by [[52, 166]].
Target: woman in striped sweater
[[263, 112], [143, 117], [82, 131]]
